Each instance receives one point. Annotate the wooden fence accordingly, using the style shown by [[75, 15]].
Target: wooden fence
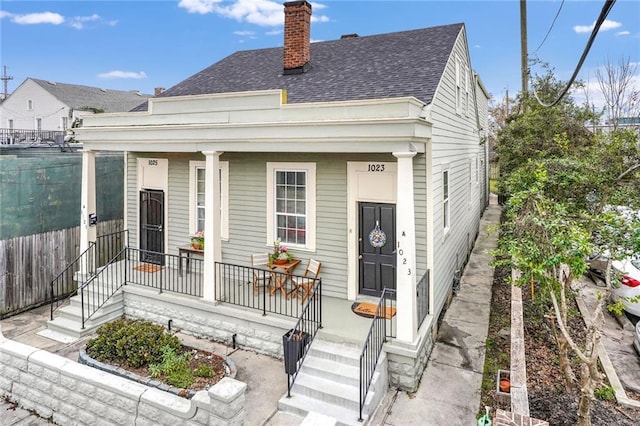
[[494, 172], [29, 263]]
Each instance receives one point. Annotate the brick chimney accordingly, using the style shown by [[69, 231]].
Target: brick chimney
[[297, 37]]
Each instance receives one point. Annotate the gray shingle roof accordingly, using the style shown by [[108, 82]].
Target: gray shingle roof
[[80, 97], [407, 63]]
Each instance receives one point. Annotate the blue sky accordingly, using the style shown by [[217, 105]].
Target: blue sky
[[139, 45]]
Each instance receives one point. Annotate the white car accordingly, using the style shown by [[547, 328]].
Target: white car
[[627, 288], [636, 341]]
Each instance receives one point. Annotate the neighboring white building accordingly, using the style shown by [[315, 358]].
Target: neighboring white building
[[53, 106]]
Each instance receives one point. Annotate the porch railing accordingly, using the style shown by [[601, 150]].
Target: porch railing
[[297, 341], [377, 336], [165, 272], [273, 294], [422, 289], [63, 285], [99, 253], [24, 136], [101, 286]]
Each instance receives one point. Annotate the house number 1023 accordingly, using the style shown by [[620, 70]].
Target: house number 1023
[[376, 168]]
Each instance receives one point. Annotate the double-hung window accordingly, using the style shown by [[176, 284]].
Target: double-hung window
[[446, 211], [291, 204], [197, 173]]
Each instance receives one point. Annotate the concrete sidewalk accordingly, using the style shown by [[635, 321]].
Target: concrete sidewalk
[[449, 392]]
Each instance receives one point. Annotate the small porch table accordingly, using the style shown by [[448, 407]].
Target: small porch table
[[280, 280], [187, 251]]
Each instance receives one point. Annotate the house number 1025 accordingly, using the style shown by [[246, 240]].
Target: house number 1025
[[375, 168]]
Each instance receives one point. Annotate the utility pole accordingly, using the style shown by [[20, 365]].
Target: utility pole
[[524, 54], [5, 79]]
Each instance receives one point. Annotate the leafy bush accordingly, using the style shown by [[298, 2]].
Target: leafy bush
[[605, 393], [175, 367], [136, 343], [203, 370]]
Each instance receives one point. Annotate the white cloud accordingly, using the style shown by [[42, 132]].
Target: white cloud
[[35, 18], [267, 13], [123, 74], [606, 25], [244, 33], [623, 33], [78, 21]]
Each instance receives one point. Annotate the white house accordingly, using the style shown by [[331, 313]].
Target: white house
[[366, 154], [41, 105]]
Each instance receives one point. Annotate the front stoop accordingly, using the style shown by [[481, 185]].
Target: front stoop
[[68, 320], [328, 383], [507, 418]]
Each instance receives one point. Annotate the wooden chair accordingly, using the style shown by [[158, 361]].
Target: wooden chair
[[304, 286], [261, 276]]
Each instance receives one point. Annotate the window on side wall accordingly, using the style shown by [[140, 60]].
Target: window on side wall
[[446, 211], [291, 198], [197, 175], [458, 86]]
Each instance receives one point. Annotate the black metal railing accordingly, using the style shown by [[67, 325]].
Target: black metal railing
[[422, 293], [64, 285], [23, 136], [297, 341], [167, 272], [381, 328], [109, 246], [261, 289], [99, 253], [101, 286]]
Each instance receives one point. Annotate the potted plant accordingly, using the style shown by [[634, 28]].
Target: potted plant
[[197, 240], [280, 254]]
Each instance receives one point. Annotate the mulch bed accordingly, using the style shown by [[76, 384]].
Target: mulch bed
[[547, 398]]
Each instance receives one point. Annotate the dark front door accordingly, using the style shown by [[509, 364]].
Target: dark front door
[[377, 242], [152, 226]]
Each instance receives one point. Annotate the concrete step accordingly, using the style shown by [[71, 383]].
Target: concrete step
[[335, 371], [107, 313], [77, 300], [344, 353], [326, 390], [301, 405]]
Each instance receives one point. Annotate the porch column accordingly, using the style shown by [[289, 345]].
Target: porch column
[[406, 250], [88, 202], [212, 250]]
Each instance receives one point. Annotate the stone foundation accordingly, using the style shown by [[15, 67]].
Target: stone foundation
[[219, 323], [407, 362]]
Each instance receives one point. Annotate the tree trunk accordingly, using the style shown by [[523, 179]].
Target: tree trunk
[[586, 394]]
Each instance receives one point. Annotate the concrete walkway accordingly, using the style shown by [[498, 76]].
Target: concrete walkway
[[449, 392]]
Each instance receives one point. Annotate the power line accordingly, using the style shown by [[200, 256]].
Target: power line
[[606, 8], [550, 28]]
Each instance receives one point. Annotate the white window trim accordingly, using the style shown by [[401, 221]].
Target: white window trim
[[458, 89], [446, 202], [310, 168], [224, 196]]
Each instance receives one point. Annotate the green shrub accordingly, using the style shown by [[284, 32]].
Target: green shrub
[[605, 393], [175, 367], [203, 370], [136, 343]]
